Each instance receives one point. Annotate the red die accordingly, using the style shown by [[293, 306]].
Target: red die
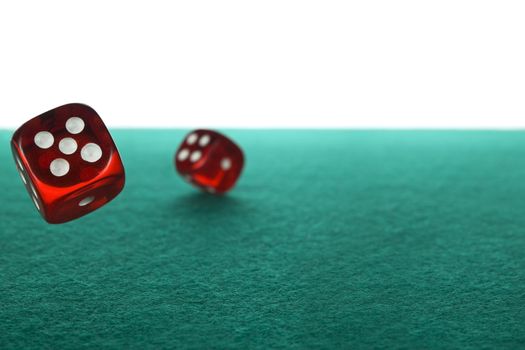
[[209, 160], [68, 162]]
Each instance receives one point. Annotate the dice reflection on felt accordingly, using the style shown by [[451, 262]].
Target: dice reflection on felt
[[68, 162], [209, 160]]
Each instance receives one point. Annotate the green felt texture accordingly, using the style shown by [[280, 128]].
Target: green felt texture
[[332, 239]]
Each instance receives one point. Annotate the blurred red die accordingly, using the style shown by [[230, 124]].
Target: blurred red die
[[209, 160]]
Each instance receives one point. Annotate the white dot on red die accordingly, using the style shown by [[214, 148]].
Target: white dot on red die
[[44, 139], [195, 156], [67, 145], [226, 163], [86, 201], [59, 167], [91, 152], [204, 140], [183, 154], [75, 125], [191, 139]]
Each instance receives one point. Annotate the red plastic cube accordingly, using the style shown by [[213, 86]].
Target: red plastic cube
[[209, 160], [68, 162]]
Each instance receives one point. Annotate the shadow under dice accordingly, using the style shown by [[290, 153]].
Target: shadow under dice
[[68, 162], [209, 160]]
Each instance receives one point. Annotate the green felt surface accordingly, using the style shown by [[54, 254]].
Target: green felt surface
[[332, 239]]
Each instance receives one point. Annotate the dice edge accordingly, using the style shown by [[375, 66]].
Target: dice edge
[[19, 156]]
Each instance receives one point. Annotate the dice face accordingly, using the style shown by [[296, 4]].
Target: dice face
[[68, 162], [209, 160]]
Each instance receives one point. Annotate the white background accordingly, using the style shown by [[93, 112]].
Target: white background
[[456, 64]]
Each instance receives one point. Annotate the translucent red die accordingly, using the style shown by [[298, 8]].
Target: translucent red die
[[68, 162], [209, 160]]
